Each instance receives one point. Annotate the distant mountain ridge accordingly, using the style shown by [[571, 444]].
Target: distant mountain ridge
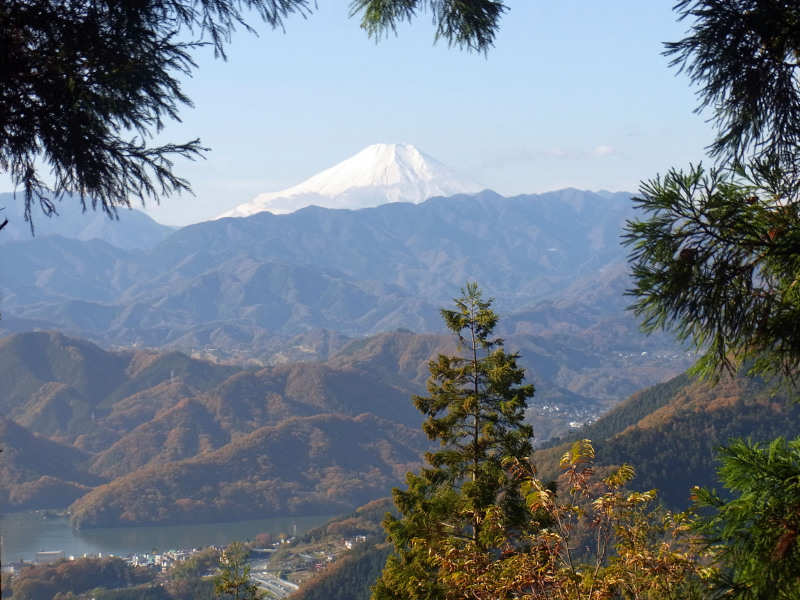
[[379, 174], [356, 272], [248, 289], [132, 229]]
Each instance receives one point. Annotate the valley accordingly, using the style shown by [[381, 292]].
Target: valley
[[242, 369], [264, 365], [565, 395]]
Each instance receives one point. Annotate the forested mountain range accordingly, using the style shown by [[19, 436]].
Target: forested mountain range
[[268, 289], [164, 438], [133, 422], [356, 272], [131, 437]]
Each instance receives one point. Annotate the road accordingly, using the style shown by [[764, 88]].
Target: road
[[280, 588]]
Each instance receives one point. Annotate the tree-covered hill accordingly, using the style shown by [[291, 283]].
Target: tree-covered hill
[[162, 434], [135, 421], [38, 473], [669, 432], [304, 465]]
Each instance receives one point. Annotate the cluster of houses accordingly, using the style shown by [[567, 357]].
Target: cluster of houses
[[300, 565], [161, 561]]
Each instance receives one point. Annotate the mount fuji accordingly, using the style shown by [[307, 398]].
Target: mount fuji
[[379, 174]]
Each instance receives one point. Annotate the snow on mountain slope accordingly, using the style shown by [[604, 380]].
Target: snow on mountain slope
[[379, 174]]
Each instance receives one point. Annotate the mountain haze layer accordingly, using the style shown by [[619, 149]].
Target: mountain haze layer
[[128, 229], [357, 272], [268, 289], [379, 174], [321, 323]]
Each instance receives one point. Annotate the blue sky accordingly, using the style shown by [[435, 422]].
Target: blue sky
[[575, 93]]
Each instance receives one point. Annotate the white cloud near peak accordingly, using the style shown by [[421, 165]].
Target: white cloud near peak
[[603, 150]]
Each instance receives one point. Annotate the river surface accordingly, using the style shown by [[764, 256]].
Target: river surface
[[24, 534]]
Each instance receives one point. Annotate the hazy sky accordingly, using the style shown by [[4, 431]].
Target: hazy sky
[[576, 93]]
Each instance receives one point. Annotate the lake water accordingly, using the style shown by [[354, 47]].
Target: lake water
[[25, 534]]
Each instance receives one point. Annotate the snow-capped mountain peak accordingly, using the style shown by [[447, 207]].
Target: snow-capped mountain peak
[[379, 174]]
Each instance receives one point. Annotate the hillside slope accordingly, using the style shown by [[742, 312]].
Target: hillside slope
[[142, 435], [356, 272], [304, 465], [669, 432]]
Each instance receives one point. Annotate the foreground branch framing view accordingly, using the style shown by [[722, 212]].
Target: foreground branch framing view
[[455, 394]]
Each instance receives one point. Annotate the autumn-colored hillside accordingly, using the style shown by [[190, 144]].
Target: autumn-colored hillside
[[146, 437], [669, 432], [306, 465], [141, 437]]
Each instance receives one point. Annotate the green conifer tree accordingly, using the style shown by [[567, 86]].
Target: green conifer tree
[[754, 532], [475, 409], [715, 252], [716, 259], [233, 581]]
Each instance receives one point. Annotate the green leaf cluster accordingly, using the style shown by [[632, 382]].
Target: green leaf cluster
[[754, 531], [714, 258], [469, 24], [715, 254], [744, 55]]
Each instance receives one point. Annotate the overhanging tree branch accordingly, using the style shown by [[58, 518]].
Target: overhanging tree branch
[[86, 84]]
